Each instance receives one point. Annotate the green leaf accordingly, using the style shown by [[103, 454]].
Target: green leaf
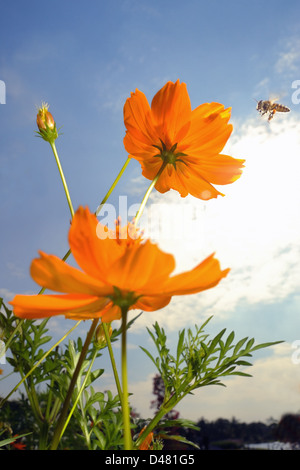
[[12, 439], [238, 346], [180, 344], [215, 341], [229, 340], [178, 438], [242, 374], [149, 355], [266, 345]]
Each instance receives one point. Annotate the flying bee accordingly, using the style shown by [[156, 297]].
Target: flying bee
[[269, 106]]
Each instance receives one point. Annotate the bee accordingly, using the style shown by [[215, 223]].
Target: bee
[[269, 106]]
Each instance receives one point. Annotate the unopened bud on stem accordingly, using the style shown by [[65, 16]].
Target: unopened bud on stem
[[100, 338], [46, 124]]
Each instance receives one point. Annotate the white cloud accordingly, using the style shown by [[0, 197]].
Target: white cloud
[[6, 294], [289, 58]]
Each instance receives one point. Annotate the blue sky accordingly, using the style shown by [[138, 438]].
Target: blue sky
[[84, 60]]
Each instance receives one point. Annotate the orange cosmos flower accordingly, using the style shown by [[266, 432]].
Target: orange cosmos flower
[[116, 271], [188, 142]]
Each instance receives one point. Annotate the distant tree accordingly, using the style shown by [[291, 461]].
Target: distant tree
[[288, 429], [159, 392], [222, 430]]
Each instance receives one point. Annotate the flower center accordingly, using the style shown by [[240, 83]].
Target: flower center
[[169, 155]]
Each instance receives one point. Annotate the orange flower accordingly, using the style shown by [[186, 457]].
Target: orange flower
[[18, 445], [116, 271], [187, 141]]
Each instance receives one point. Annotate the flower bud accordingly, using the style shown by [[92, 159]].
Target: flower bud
[[100, 339], [46, 124], [146, 444]]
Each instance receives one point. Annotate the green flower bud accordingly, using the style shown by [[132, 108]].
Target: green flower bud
[[100, 339]]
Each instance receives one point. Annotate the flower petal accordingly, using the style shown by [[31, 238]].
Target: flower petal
[[218, 169], [151, 304], [204, 276], [107, 314], [171, 110], [138, 119], [209, 130], [186, 181], [93, 254], [52, 273], [142, 265], [42, 306]]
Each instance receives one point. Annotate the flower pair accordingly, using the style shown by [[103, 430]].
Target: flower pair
[[125, 272]]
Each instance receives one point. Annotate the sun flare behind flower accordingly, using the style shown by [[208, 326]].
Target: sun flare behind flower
[[116, 272], [186, 142]]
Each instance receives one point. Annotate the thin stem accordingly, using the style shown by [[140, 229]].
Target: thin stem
[[153, 423], [113, 363], [165, 408], [125, 404], [7, 343], [62, 177], [112, 186], [55, 410], [64, 412], [148, 192], [79, 394]]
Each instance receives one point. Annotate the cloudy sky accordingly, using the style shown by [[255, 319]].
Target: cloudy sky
[[84, 61]]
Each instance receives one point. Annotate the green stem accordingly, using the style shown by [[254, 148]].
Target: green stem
[[79, 394], [33, 402], [64, 412], [43, 436], [62, 177], [165, 408], [125, 404], [54, 410], [7, 343], [148, 192], [112, 186], [152, 425], [113, 362]]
